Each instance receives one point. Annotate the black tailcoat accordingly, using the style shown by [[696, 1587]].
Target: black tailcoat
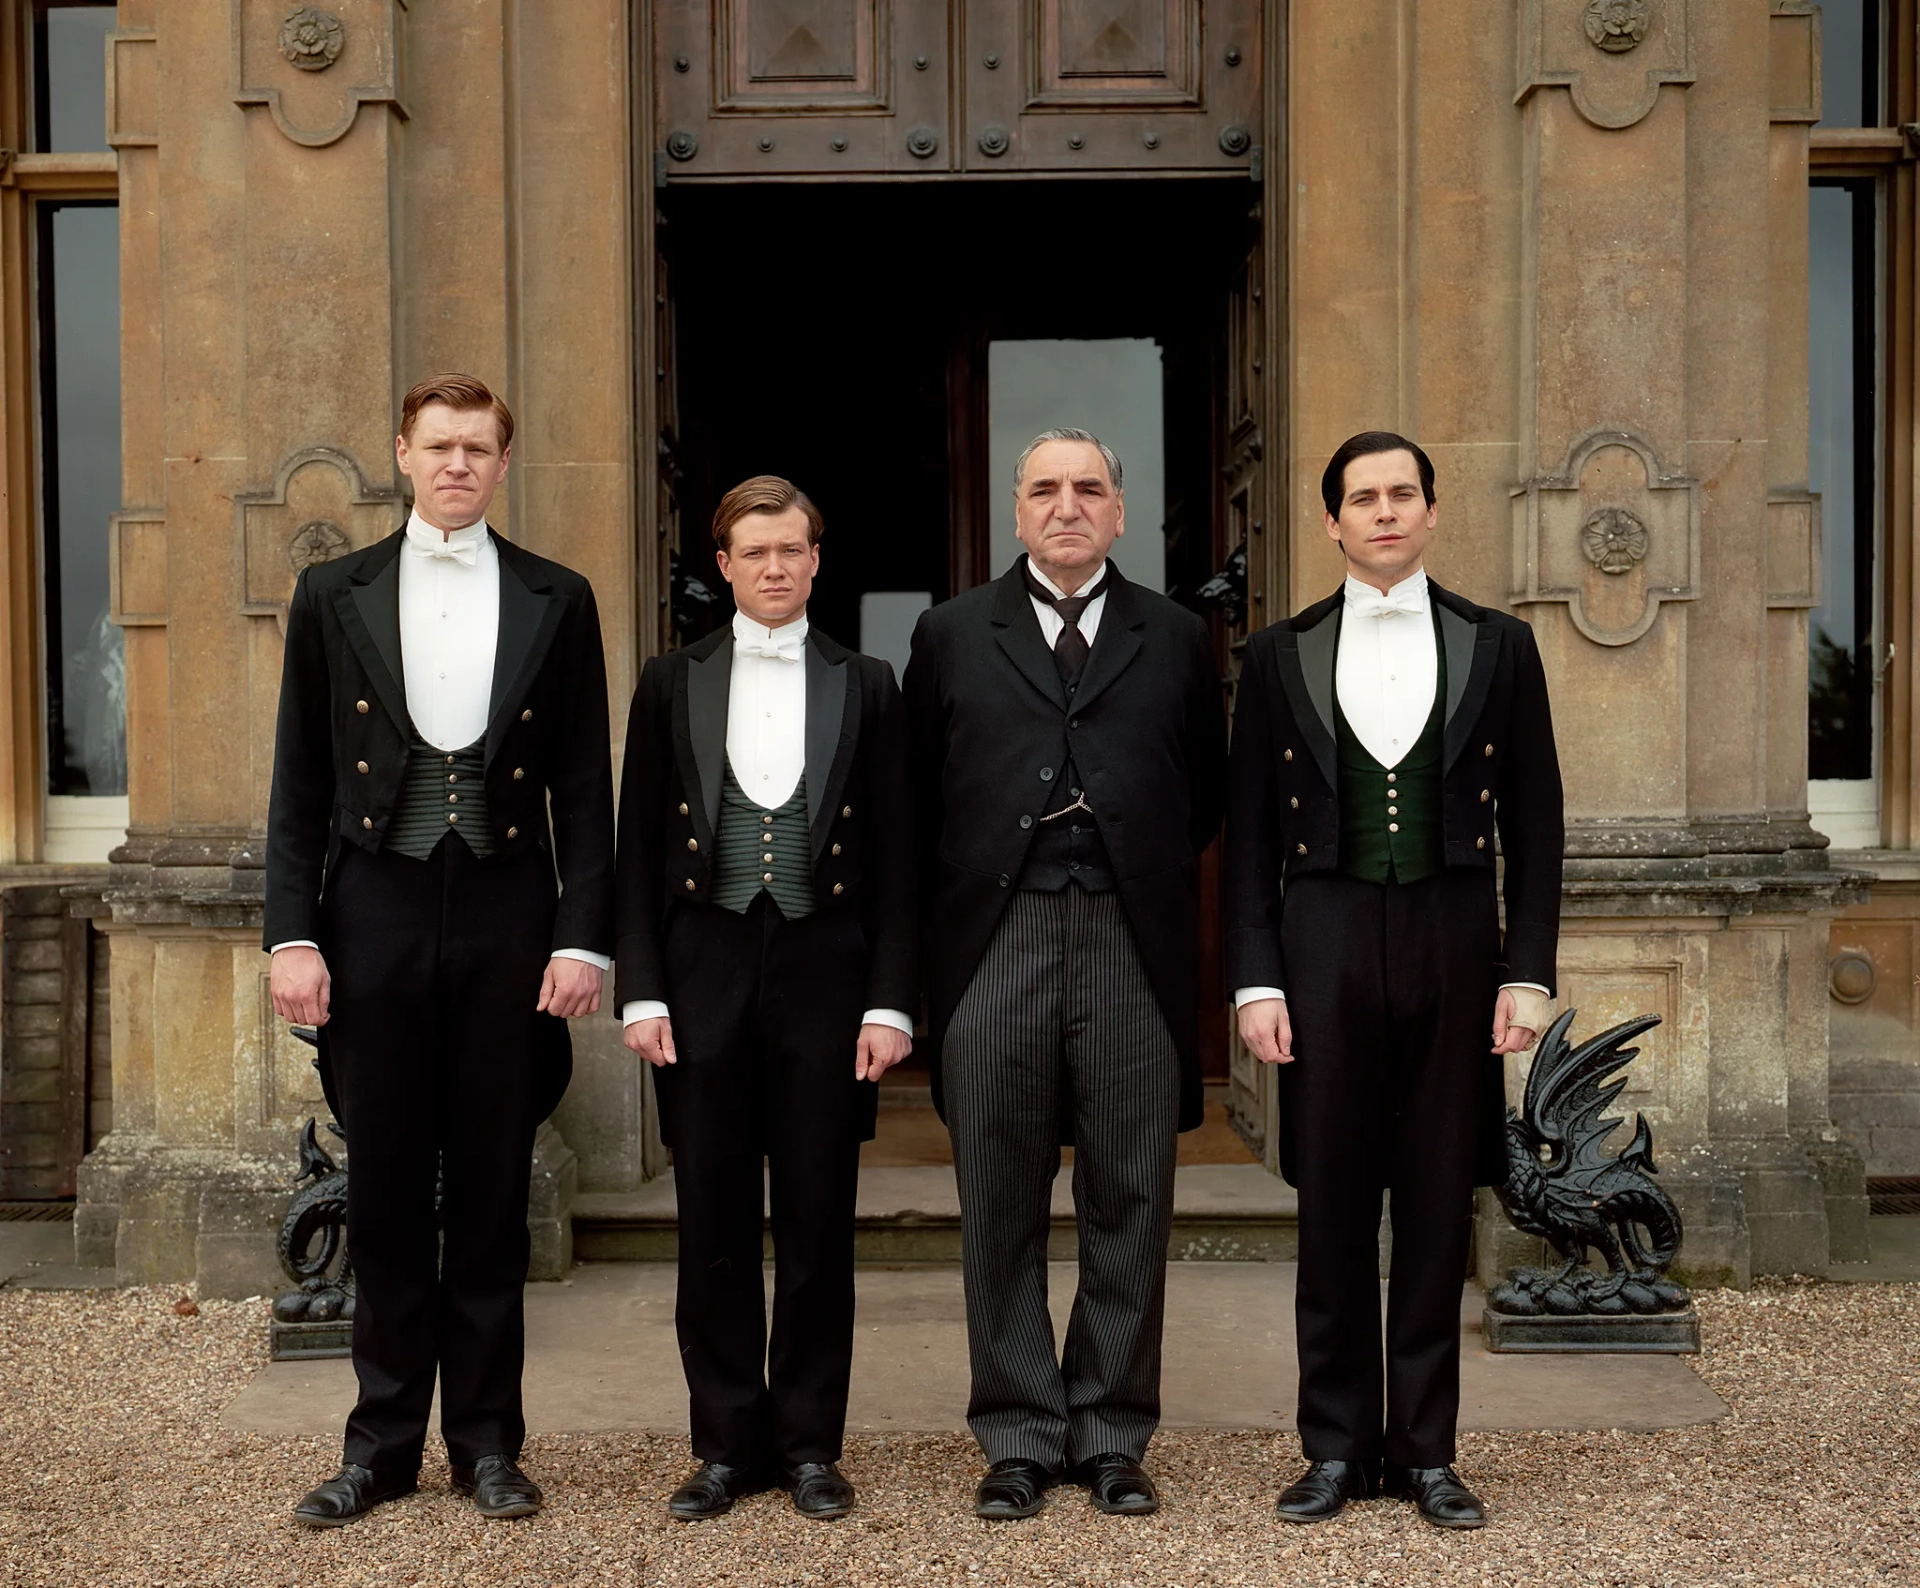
[[991, 726], [1500, 775], [857, 811], [340, 751]]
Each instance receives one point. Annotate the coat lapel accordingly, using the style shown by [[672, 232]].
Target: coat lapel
[[709, 684], [1115, 643], [1018, 632], [369, 611], [529, 618], [1307, 675], [1469, 674], [833, 729]]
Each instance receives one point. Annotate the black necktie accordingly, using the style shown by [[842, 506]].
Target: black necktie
[[1070, 650]]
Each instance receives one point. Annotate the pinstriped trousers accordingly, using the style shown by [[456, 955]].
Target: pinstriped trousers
[[1059, 1025]]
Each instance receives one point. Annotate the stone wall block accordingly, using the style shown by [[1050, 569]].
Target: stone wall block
[[1717, 1247], [235, 1254], [603, 1115], [1843, 1184], [556, 1181], [1614, 762]]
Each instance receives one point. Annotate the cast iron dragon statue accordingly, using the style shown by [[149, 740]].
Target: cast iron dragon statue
[[313, 1236], [1561, 1186]]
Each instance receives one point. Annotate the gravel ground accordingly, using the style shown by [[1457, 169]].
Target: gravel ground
[[114, 1470]]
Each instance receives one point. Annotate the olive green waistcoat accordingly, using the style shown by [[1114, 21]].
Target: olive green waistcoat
[[443, 791], [759, 849], [1391, 822]]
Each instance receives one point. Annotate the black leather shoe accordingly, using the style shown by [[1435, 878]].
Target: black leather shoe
[[1119, 1485], [1012, 1489], [712, 1490], [1443, 1499], [349, 1496], [818, 1490], [498, 1487], [1323, 1490]]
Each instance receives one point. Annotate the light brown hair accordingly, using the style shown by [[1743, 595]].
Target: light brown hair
[[764, 493], [463, 394]]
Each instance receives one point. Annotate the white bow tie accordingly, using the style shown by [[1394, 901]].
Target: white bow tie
[[1375, 605], [781, 646], [465, 552]]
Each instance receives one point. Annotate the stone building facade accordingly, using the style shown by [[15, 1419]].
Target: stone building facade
[[1565, 243]]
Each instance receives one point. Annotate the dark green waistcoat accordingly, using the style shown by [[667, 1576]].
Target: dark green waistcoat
[[759, 849], [444, 791], [1391, 822]]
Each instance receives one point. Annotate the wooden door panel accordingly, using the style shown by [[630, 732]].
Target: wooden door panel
[[1110, 85], [800, 88]]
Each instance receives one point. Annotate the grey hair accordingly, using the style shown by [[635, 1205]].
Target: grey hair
[[1066, 433]]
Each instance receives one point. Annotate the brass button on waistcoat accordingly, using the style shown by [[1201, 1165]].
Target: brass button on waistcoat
[[453, 816], [766, 821], [361, 707], [1392, 778], [766, 876], [693, 844], [1393, 827], [767, 859], [363, 766]]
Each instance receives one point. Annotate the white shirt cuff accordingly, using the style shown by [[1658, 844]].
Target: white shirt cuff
[[294, 942], [1252, 995], [1534, 985], [642, 1009], [887, 1017], [586, 956]]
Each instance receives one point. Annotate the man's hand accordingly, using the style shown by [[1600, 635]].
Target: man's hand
[[300, 986], [1507, 1037], [880, 1049], [1267, 1030], [571, 987], [652, 1040]]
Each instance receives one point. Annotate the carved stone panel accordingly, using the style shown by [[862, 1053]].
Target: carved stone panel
[[318, 507], [1613, 55], [313, 69]]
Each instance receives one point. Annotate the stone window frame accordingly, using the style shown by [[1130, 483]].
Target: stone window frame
[[26, 180], [1887, 153]]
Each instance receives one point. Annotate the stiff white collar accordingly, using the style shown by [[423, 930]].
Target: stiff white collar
[[461, 546], [1409, 595], [1091, 580], [756, 639]]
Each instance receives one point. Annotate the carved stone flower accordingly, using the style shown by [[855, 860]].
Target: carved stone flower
[[1617, 25], [319, 540], [312, 39], [1613, 539]]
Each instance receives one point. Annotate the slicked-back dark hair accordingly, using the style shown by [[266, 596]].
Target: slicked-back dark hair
[[1333, 483]]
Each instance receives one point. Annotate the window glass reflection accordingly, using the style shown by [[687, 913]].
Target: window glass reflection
[[79, 285], [70, 77], [1850, 63], [1112, 387], [1841, 414]]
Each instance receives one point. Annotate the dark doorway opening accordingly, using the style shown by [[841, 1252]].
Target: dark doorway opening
[[850, 337]]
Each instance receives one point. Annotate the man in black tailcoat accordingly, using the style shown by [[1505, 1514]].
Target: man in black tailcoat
[[766, 970], [1382, 738], [1069, 748], [442, 758]]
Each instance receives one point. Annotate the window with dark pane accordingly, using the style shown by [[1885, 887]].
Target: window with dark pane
[[1842, 414], [70, 77], [1850, 63], [78, 278]]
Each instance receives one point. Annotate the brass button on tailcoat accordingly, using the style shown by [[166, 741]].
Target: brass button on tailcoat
[[1479, 843], [694, 845], [689, 884], [527, 715], [367, 822], [838, 889], [846, 810], [519, 773], [1294, 802], [513, 832], [363, 766], [361, 707], [683, 807], [1489, 750], [1302, 848], [836, 849], [1286, 755], [1485, 795]]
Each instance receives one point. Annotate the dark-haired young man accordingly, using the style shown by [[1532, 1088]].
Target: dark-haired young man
[[766, 969], [442, 752], [1381, 739]]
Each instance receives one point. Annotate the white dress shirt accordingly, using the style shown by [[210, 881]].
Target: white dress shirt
[[449, 631], [1385, 672], [1051, 623], [767, 746]]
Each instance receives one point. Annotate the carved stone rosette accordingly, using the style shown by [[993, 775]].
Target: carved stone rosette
[[1617, 26], [312, 39], [1614, 539]]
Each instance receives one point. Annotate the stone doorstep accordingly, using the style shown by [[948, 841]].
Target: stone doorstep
[[1221, 1212]]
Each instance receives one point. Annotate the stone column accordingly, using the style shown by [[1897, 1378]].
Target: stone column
[[328, 206]]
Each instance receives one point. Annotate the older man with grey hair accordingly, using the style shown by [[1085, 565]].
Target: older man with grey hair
[[1069, 762]]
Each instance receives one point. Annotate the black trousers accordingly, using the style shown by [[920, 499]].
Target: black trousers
[[433, 1042], [1390, 990], [1059, 1026], [766, 1021]]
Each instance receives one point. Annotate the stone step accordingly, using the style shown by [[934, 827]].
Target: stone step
[[1221, 1213]]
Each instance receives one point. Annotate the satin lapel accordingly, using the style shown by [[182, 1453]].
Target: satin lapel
[[1457, 633], [529, 618], [828, 687], [1463, 718], [1018, 632], [1306, 674], [370, 618], [709, 685], [1115, 644]]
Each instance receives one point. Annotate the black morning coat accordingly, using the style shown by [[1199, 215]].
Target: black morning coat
[[858, 813], [991, 725], [1501, 776], [340, 751]]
